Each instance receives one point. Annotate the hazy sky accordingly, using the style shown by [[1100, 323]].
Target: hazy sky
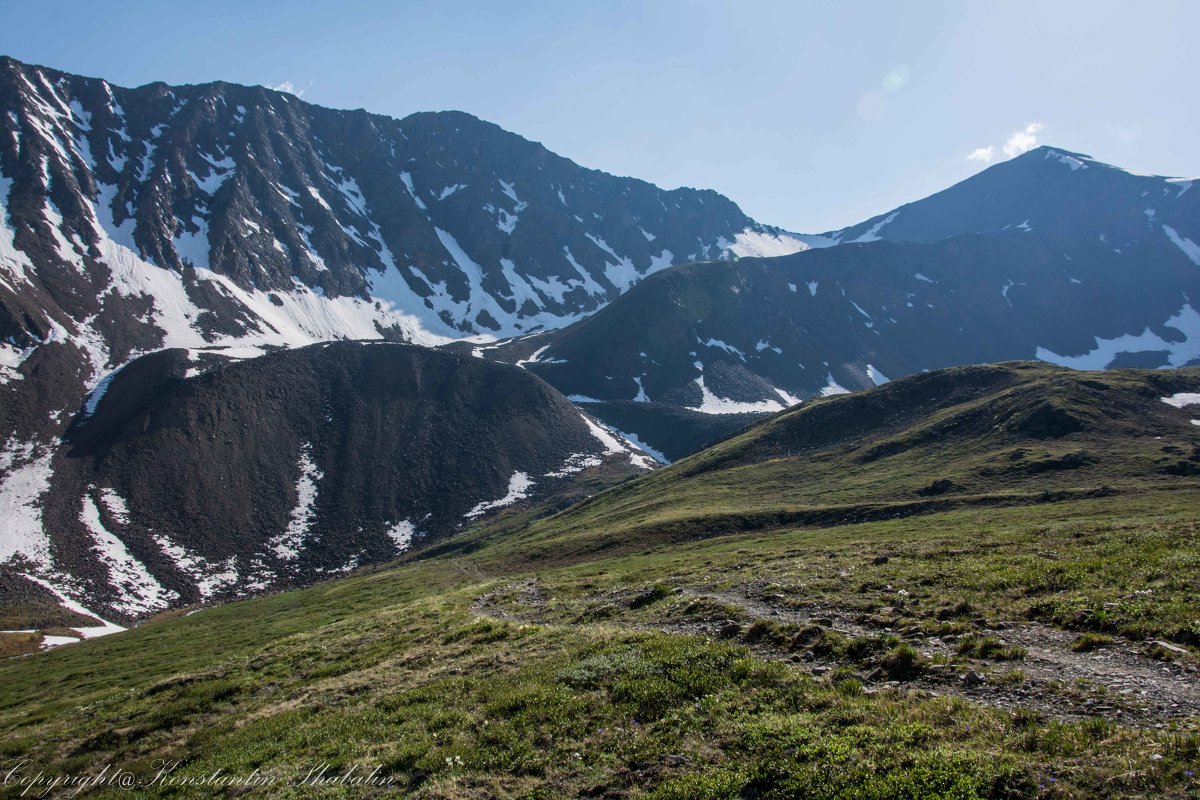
[[811, 115]]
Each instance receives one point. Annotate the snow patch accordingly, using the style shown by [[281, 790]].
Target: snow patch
[[641, 396], [872, 234], [103, 629], [576, 462], [713, 404], [287, 545], [1186, 321], [832, 387], [728, 348], [209, 577], [140, 592], [615, 443], [26, 478], [1071, 161], [402, 533], [755, 244], [1189, 248], [412, 192], [518, 489], [1182, 399], [877, 377]]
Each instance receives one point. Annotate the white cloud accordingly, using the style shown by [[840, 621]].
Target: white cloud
[[984, 154], [1024, 140], [1021, 141], [291, 88]]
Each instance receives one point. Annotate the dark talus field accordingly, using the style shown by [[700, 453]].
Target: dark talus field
[[221, 215], [220, 222], [977, 582], [195, 483]]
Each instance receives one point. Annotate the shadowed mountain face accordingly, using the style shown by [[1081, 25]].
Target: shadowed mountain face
[[1050, 256], [195, 482]]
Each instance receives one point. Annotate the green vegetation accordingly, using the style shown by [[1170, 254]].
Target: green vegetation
[[1091, 641], [734, 626]]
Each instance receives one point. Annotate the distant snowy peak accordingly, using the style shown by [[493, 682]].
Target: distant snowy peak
[[1070, 197]]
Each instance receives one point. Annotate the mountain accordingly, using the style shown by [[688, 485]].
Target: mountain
[[1050, 256], [192, 482], [1068, 196], [928, 589], [148, 234], [219, 215]]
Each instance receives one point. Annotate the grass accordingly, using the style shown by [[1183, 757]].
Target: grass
[[1087, 642], [628, 644], [393, 669], [989, 647]]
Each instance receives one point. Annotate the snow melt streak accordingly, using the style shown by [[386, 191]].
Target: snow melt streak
[[287, 545]]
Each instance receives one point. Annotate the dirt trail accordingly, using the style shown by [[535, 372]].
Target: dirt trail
[[1117, 682]]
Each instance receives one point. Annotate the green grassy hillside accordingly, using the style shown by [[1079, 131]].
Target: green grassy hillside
[[972, 583]]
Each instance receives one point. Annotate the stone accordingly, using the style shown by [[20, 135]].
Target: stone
[[973, 678], [730, 630]]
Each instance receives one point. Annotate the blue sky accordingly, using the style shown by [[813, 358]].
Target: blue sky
[[811, 115]]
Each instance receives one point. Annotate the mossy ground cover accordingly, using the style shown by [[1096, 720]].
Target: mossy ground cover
[[564, 653], [397, 669]]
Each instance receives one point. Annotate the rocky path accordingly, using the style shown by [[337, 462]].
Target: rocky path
[[1118, 682]]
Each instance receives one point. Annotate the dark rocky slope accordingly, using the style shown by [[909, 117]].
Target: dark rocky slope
[[283, 469]]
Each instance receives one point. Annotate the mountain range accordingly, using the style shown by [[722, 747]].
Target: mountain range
[[1051, 255], [247, 342]]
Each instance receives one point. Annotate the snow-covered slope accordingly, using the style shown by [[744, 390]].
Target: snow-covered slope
[[225, 222]]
